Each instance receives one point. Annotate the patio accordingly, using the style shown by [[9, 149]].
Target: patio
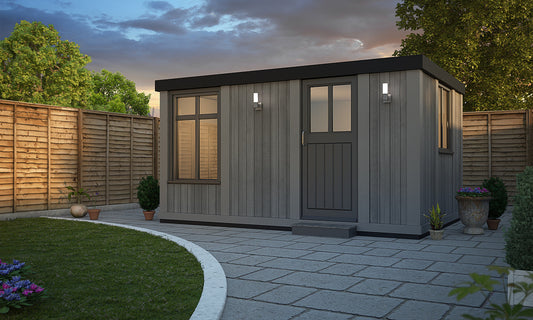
[[277, 275]]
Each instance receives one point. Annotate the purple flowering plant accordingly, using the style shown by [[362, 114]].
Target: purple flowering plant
[[473, 192], [16, 292]]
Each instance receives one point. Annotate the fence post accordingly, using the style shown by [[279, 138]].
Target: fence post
[[489, 141], [529, 137], [15, 157], [155, 147], [80, 148], [48, 162], [107, 160], [131, 158]]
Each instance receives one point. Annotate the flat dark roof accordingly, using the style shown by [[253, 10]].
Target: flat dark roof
[[327, 70]]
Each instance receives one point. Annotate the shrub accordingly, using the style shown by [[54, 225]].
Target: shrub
[[498, 192], [519, 236], [148, 193]]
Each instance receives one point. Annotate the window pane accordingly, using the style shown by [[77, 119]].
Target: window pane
[[319, 109], [208, 104], [342, 108], [208, 149], [186, 149], [443, 119], [186, 106]]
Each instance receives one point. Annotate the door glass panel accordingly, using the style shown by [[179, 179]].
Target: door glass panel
[[186, 149], [208, 149], [342, 108], [186, 106], [319, 109], [208, 104]]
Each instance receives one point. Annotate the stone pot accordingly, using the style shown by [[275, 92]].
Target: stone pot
[[436, 234], [473, 212], [93, 213], [493, 224], [78, 210], [148, 215]]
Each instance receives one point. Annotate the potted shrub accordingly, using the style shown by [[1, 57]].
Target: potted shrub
[[498, 203], [78, 209], [148, 195], [435, 222], [473, 208], [519, 237]]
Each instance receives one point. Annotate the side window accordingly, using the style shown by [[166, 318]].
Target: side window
[[444, 118], [196, 144]]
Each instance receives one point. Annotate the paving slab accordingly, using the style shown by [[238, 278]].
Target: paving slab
[[322, 315], [419, 310], [238, 288], [237, 309], [266, 274], [352, 303], [319, 280], [375, 286], [433, 293], [405, 275], [296, 264], [285, 294]]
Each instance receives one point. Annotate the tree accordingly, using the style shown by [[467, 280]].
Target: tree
[[113, 92], [487, 44], [37, 66]]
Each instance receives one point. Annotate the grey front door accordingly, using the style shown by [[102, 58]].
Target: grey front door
[[329, 150]]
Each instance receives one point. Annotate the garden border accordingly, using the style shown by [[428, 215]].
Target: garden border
[[214, 292]]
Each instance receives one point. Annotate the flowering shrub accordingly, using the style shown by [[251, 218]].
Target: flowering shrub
[[7, 271], [473, 192], [16, 292]]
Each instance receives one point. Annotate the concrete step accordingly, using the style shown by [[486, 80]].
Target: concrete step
[[325, 229]]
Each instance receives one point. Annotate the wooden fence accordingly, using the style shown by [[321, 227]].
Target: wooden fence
[[44, 149], [497, 143]]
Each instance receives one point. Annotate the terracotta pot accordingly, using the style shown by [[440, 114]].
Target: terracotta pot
[[93, 213], [78, 210], [149, 215], [493, 224], [473, 212], [436, 234]]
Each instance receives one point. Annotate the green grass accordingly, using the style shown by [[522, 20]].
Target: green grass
[[93, 271]]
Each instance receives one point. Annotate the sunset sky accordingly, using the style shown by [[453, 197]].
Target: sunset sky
[[149, 40]]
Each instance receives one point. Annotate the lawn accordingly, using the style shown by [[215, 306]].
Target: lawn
[[93, 271]]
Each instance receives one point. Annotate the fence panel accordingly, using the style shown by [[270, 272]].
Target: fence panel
[[496, 143], [44, 149]]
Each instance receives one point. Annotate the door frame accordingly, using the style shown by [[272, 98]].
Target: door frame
[[328, 214]]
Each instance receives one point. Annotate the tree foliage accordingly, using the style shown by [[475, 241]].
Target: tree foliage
[[37, 66], [113, 92], [487, 44]]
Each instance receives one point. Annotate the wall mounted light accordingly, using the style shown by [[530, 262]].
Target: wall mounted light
[[258, 105], [386, 96]]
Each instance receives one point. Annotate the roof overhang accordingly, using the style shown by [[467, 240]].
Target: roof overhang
[[327, 70]]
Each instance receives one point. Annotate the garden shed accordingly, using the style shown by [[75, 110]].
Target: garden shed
[[370, 144]]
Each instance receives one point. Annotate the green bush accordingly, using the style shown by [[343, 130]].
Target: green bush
[[498, 192], [148, 193], [519, 236]]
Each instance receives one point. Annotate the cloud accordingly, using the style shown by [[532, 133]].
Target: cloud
[[222, 35]]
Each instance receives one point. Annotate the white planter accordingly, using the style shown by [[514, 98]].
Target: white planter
[[514, 277]]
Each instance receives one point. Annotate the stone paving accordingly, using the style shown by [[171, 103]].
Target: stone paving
[[277, 275]]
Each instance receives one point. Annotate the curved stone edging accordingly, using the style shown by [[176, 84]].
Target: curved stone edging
[[214, 292]]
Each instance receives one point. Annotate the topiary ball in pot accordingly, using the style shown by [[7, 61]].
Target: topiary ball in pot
[[498, 192], [148, 193], [519, 236]]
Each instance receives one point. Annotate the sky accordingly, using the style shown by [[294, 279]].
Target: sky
[[150, 40]]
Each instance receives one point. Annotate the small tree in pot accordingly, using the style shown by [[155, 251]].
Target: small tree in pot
[[498, 203], [148, 195], [519, 236]]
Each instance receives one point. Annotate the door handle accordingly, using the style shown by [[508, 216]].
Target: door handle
[[303, 137]]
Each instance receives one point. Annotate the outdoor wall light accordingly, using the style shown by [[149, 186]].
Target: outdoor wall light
[[258, 105], [386, 96]]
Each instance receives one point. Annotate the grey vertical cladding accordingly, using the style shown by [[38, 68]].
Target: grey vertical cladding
[[194, 198], [258, 143], [387, 150]]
